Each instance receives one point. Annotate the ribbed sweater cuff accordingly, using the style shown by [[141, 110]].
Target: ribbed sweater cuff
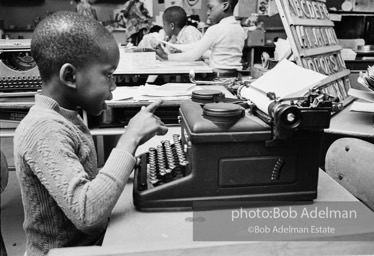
[[120, 164]]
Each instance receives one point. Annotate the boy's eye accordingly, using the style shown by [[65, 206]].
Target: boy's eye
[[110, 75]]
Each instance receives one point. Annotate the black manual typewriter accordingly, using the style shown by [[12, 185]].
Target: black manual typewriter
[[18, 70], [225, 153]]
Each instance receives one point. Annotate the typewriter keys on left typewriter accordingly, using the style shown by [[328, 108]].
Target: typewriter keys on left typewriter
[[166, 162]]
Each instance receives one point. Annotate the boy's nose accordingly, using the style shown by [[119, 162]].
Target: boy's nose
[[113, 85]]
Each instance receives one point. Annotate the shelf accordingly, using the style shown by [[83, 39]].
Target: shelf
[[352, 13], [274, 29], [16, 30]]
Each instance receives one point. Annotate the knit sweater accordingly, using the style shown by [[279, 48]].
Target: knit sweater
[[66, 200]]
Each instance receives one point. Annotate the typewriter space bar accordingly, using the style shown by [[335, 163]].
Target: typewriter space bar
[[143, 172]]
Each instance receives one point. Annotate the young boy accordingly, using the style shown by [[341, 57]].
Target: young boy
[[66, 199], [225, 39], [175, 30]]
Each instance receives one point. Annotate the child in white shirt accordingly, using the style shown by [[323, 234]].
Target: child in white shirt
[[223, 42]]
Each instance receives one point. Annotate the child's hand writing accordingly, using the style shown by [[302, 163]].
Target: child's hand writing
[[142, 127]]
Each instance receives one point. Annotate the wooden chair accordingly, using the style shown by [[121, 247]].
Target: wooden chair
[[350, 162]]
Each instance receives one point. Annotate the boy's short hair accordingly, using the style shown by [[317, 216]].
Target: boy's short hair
[[175, 14], [67, 37]]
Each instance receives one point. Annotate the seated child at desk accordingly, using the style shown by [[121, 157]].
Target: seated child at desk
[[175, 30], [66, 199], [225, 39]]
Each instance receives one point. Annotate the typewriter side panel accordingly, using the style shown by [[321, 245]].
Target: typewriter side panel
[[254, 171]]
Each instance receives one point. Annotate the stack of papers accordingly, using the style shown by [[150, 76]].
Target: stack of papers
[[367, 105], [169, 91]]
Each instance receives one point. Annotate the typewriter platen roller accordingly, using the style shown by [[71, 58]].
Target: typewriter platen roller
[[226, 154]]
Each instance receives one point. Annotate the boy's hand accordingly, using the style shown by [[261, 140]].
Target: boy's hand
[[142, 127], [161, 53]]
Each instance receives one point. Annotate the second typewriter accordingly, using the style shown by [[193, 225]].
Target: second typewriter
[[225, 153]]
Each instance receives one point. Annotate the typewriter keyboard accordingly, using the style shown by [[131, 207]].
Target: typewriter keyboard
[[164, 163]]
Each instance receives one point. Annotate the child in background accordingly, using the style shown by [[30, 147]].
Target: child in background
[[85, 8], [67, 201], [222, 43], [137, 20], [175, 30]]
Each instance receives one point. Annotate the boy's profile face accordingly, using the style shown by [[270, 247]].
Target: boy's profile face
[[215, 10], [167, 28], [95, 81]]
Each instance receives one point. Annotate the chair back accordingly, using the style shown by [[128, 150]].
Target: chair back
[[350, 162]]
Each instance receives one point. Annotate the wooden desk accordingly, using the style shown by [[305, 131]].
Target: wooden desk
[[98, 133], [347, 124], [160, 231], [358, 124], [131, 232], [168, 68], [9, 132]]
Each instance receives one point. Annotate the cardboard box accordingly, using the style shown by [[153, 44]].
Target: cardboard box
[[136, 58]]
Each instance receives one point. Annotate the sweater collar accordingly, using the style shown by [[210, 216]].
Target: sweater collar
[[49, 103]]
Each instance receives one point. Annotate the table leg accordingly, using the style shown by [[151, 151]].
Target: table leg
[[100, 150]]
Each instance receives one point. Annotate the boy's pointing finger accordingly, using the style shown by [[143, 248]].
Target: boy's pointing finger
[[153, 106]]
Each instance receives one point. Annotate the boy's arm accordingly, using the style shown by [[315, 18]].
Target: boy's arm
[[198, 49], [85, 201]]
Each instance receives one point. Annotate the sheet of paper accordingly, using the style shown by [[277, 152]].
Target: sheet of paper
[[181, 47], [167, 90], [287, 79], [125, 93], [362, 107], [363, 95], [165, 98]]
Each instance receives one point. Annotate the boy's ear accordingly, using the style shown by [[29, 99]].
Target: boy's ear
[[226, 6], [172, 26], [68, 75]]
